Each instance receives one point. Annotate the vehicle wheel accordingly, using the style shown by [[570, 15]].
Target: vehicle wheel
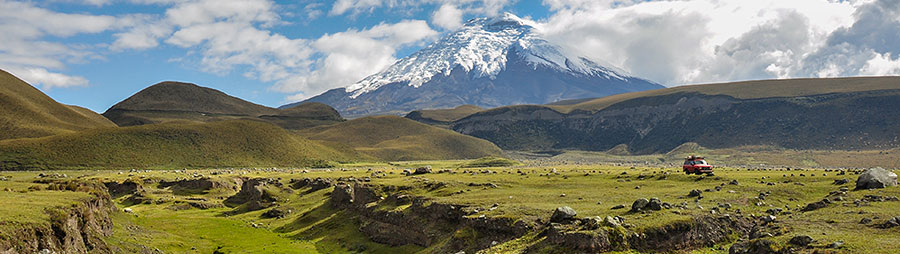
[[686, 172]]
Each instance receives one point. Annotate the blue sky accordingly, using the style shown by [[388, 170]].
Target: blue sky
[[94, 53]]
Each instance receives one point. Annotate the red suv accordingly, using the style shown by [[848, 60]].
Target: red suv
[[696, 165]]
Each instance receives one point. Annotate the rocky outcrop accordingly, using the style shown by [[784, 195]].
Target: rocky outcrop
[[198, 184], [679, 236], [424, 222], [254, 194], [74, 229], [314, 184], [126, 187], [449, 228]]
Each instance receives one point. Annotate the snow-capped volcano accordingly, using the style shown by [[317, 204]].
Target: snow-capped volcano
[[473, 66]]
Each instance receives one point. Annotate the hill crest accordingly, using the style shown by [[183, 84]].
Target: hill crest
[[26, 112]]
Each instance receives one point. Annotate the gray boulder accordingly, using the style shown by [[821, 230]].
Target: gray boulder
[[612, 221], [655, 204], [801, 240], [423, 170], [563, 214], [639, 204], [875, 178]]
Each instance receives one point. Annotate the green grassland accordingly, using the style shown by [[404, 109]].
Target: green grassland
[[314, 226], [27, 112], [393, 138], [219, 144], [745, 156], [443, 116], [750, 90]]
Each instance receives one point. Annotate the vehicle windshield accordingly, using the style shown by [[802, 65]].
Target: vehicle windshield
[[701, 162]]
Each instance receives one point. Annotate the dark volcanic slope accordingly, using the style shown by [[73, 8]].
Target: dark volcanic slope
[[27, 112], [176, 101], [860, 117]]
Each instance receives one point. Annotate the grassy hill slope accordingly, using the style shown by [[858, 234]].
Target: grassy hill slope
[[220, 144], [179, 102], [397, 138], [27, 112], [818, 114], [756, 89], [443, 116]]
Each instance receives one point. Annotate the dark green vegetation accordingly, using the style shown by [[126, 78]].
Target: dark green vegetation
[[488, 162], [396, 138], [176, 101], [809, 114], [443, 117], [179, 125], [27, 112], [506, 210], [237, 143]]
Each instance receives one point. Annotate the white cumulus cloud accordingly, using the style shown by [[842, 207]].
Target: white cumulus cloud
[[29, 51]]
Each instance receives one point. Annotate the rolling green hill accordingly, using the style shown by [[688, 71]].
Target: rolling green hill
[[27, 112], [237, 143], [176, 101], [396, 138], [817, 114], [443, 116], [756, 89]]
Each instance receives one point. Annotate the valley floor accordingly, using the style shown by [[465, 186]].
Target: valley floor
[[378, 209]]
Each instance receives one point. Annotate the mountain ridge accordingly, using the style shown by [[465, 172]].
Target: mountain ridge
[[839, 113]]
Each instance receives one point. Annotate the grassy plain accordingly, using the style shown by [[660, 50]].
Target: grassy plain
[[313, 226]]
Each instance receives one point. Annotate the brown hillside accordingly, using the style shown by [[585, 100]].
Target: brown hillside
[[27, 112]]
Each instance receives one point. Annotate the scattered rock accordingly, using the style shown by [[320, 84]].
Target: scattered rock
[[865, 221], [639, 204], [563, 214], [769, 218], [655, 204], [816, 205], [276, 213], [612, 221], [127, 210], [893, 222], [753, 247], [422, 170], [841, 181], [695, 193], [836, 245], [620, 206], [875, 178], [801, 240]]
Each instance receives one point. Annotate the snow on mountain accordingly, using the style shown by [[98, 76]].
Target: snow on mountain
[[481, 48], [490, 62]]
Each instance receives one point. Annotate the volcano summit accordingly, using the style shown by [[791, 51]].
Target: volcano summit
[[490, 62]]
